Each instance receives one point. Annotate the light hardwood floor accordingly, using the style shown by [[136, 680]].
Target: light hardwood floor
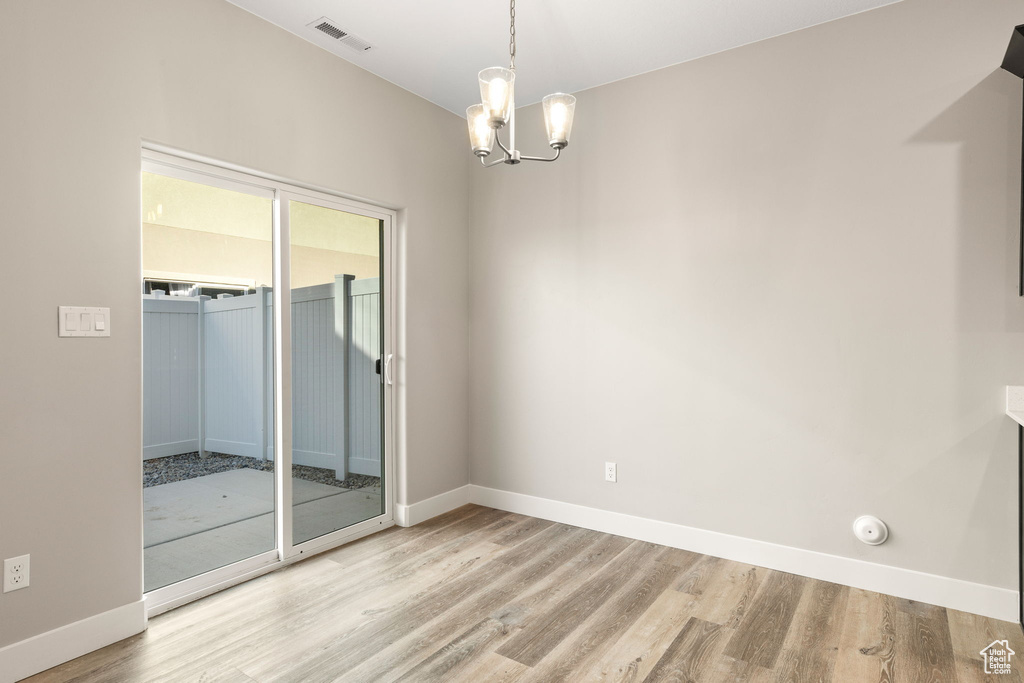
[[483, 595]]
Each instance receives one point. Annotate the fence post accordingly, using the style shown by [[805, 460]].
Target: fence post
[[268, 375], [201, 365], [342, 337], [260, 337]]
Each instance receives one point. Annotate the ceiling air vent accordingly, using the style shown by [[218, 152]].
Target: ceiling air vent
[[328, 27], [356, 43]]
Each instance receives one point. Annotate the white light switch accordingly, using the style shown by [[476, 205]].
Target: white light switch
[[83, 321]]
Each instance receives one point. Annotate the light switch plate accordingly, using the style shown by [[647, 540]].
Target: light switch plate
[[83, 321]]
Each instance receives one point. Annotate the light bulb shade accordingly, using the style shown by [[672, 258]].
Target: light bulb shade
[[558, 112], [496, 85], [481, 135]]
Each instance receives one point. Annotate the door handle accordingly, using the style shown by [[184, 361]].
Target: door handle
[[387, 369], [376, 366]]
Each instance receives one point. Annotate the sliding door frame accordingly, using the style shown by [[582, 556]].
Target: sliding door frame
[[282, 313], [165, 161]]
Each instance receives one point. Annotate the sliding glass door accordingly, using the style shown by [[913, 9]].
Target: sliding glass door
[[266, 374], [337, 357], [207, 341]]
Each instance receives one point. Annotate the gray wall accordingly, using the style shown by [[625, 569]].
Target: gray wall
[[80, 84], [777, 287]]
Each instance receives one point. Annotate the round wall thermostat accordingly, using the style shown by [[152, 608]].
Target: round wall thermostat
[[871, 530]]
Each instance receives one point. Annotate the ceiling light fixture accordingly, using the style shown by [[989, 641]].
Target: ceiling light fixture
[[497, 90]]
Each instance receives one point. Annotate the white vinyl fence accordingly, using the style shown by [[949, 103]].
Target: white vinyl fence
[[234, 374], [170, 368], [364, 415], [208, 375]]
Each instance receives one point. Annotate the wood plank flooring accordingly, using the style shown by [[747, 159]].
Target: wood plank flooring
[[483, 595]]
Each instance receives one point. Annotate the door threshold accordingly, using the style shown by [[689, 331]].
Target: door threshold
[[189, 590]]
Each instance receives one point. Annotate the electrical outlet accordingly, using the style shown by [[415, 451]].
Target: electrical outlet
[[609, 472], [15, 573]]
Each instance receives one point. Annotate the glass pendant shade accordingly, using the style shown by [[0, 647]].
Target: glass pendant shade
[[496, 84], [480, 131], [558, 112]]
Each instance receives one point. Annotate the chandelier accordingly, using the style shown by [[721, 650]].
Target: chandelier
[[498, 109]]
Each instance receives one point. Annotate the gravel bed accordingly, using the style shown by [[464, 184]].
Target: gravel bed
[[189, 466]]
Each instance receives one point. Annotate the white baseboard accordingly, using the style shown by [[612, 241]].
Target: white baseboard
[[411, 515], [39, 653], [976, 598]]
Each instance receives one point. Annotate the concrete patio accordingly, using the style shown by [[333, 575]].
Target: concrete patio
[[200, 524]]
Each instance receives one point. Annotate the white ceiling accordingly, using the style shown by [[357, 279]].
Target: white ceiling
[[435, 49]]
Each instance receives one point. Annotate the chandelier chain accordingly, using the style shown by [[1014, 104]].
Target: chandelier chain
[[512, 36]]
